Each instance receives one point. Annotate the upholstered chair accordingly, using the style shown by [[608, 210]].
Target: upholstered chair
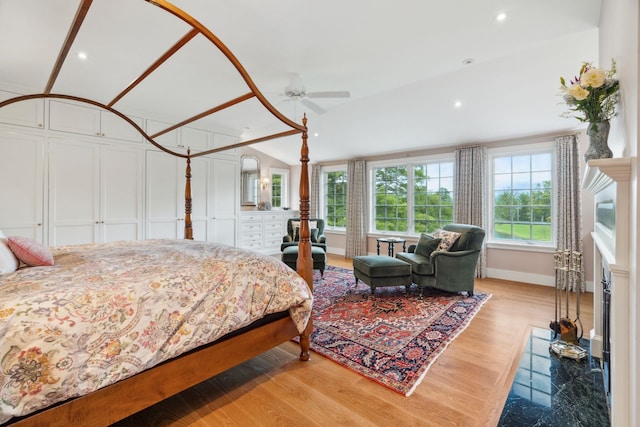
[[316, 228], [451, 270]]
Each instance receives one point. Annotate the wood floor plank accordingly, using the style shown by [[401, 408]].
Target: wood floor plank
[[466, 386]]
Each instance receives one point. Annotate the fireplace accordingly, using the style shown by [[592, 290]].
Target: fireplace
[[608, 180], [606, 332]]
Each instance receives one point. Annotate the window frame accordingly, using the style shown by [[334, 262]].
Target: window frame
[[512, 151], [284, 187], [410, 165], [324, 207]]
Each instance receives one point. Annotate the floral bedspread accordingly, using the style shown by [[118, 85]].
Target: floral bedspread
[[106, 311]]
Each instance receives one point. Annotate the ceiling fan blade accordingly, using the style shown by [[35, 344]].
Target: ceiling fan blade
[[313, 106], [330, 94]]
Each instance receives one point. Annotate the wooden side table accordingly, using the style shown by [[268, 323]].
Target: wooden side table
[[391, 242]]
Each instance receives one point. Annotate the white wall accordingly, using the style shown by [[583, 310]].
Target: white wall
[[620, 39]]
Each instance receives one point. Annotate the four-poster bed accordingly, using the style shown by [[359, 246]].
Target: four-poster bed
[[133, 393]]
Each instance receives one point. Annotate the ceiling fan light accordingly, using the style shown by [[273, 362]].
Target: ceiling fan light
[[294, 92]]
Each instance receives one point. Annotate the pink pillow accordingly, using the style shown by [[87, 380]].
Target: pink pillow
[[30, 252]]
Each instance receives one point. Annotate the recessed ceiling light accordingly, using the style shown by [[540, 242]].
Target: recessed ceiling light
[[468, 61], [316, 134], [501, 16], [457, 104], [82, 55]]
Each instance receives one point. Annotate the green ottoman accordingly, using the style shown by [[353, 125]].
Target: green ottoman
[[319, 257], [382, 271]]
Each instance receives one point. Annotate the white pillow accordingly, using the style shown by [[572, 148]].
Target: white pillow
[[8, 261]]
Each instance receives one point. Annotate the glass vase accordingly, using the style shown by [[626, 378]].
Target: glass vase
[[598, 135]]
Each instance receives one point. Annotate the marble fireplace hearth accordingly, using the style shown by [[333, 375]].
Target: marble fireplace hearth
[[550, 391]]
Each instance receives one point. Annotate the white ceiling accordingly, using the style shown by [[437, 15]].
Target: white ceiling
[[402, 62]]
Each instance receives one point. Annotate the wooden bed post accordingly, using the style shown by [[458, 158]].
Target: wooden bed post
[[188, 229], [304, 264]]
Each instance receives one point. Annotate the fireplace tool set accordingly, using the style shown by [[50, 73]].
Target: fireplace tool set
[[568, 267]]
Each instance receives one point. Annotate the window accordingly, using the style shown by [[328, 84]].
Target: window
[[335, 198], [279, 188], [522, 194], [413, 198], [432, 196], [391, 199]]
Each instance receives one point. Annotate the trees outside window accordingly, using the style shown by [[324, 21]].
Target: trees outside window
[[279, 188], [391, 199], [432, 196], [414, 198], [522, 197], [335, 199]]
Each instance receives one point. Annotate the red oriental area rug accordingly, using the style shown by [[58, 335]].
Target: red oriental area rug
[[390, 337]]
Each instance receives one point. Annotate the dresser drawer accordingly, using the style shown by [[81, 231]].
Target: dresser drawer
[[251, 236], [274, 226], [251, 244], [272, 241], [250, 217], [250, 227], [274, 217]]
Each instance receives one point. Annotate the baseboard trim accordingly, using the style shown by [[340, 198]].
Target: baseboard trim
[[535, 279]]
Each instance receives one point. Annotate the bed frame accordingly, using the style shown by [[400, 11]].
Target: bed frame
[[117, 401]]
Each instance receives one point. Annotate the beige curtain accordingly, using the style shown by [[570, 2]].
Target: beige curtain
[[314, 196], [470, 192], [356, 208], [568, 220]]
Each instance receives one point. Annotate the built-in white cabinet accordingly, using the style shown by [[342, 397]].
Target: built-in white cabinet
[[224, 140], [180, 139], [224, 206], [86, 120], [165, 196], [263, 231], [251, 231], [22, 181], [95, 192], [76, 178], [24, 113]]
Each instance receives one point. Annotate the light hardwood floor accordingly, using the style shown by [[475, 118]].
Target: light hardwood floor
[[466, 386]]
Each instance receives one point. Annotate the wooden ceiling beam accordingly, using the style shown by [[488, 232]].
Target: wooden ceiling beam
[[206, 113], [176, 47], [81, 13]]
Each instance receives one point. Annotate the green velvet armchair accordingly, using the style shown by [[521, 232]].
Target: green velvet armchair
[[453, 270], [316, 228]]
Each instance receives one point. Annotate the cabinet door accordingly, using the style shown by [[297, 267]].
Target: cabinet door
[[195, 139], [162, 183], [112, 126], [22, 185], [224, 201], [24, 113], [121, 193], [74, 189], [222, 140], [74, 118], [169, 139]]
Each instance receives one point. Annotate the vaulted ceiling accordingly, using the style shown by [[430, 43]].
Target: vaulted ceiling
[[404, 63]]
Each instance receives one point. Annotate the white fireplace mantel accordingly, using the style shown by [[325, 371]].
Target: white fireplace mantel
[[608, 180]]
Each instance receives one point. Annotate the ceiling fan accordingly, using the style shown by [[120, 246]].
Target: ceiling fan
[[297, 92]]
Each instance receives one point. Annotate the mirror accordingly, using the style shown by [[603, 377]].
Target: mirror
[[250, 180]]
